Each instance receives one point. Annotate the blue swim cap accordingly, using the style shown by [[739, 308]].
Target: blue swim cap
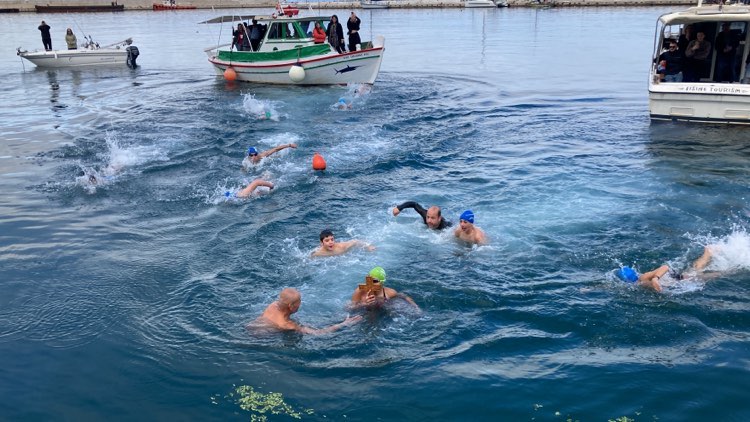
[[468, 215], [627, 275], [252, 150], [342, 101]]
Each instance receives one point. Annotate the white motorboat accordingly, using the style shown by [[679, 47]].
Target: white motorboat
[[89, 54], [373, 4], [711, 89], [480, 4], [288, 55]]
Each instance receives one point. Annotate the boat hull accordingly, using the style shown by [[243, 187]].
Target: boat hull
[[330, 69], [76, 58], [700, 102]]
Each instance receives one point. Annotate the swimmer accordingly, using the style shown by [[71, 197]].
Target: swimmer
[[432, 217], [651, 279], [343, 104], [467, 231], [329, 247], [379, 295], [254, 157], [278, 315], [248, 190]]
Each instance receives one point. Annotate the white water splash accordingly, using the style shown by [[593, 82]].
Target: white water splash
[[260, 109]]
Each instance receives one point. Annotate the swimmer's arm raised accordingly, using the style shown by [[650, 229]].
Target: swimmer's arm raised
[[410, 204], [276, 149]]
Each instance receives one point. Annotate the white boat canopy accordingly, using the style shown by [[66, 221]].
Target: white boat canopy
[[708, 14]]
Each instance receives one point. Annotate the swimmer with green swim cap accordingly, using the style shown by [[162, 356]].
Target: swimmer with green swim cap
[[467, 231], [254, 157], [329, 246], [373, 293]]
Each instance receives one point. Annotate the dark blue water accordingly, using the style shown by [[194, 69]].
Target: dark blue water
[[128, 300]]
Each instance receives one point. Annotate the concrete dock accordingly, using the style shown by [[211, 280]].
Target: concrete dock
[[28, 5]]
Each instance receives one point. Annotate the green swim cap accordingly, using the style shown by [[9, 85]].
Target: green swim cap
[[378, 273]]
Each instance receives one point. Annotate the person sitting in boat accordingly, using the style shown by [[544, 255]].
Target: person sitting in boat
[[661, 70], [335, 34], [673, 57], [352, 25], [318, 34], [46, 37], [254, 157], [697, 54], [70, 39]]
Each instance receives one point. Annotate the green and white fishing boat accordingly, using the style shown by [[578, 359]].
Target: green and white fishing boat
[[288, 55]]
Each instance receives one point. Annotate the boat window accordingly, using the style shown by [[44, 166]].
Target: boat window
[[274, 32], [291, 32]]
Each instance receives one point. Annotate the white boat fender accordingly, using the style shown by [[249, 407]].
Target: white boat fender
[[297, 73]]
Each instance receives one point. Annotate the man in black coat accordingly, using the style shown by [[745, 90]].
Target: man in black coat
[[46, 37], [353, 30]]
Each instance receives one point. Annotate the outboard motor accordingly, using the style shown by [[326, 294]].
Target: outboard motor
[[132, 55]]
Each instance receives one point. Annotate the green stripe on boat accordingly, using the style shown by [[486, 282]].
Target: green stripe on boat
[[252, 57]]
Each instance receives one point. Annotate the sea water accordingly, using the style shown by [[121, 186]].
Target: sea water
[[128, 298]]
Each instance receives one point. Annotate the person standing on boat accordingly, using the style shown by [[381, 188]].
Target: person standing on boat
[[335, 34], [238, 37], [352, 25], [46, 37], [673, 57], [319, 35], [726, 47], [256, 34], [696, 56], [70, 39]]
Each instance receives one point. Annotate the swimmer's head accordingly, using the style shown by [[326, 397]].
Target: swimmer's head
[[378, 273], [92, 179], [325, 233], [467, 215], [342, 101], [627, 275], [251, 151]]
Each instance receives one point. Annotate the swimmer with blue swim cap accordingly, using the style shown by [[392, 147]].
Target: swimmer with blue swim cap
[[467, 231], [373, 293], [651, 279], [254, 157]]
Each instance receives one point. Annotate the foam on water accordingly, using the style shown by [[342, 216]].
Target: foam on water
[[260, 109]]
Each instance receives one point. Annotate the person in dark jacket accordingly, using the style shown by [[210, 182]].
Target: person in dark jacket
[[46, 37], [726, 48], [673, 57], [335, 33], [352, 25], [432, 217]]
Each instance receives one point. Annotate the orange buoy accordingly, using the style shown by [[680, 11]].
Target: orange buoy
[[319, 163], [230, 74]]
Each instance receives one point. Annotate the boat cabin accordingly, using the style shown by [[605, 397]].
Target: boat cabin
[[700, 29]]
